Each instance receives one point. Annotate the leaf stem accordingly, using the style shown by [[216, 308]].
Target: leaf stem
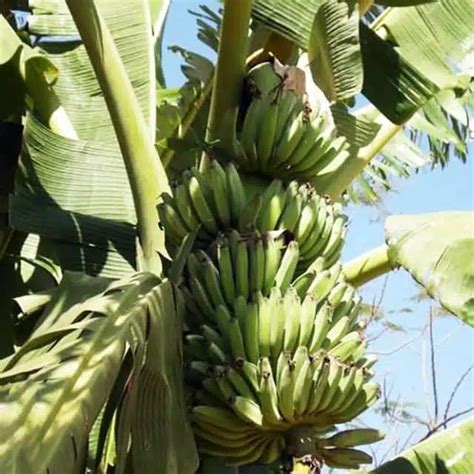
[[229, 74], [368, 266], [354, 166], [145, 171]]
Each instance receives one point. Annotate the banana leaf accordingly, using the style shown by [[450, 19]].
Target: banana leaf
[[334, 50], [54, 387], [398, 80], [448, 452], [76, 192], [437, 250]]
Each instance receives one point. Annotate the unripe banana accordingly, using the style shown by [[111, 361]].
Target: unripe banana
[[267, 133], [247, 409], [200, 205], [321, 326], [212, 335], [236, 340], [307, 318], [226, 271], [251, 333], [240, 384], [256, 265], [286, 388], [238, 199], [268, 393], [354, 437], [265, 315], [272, 262], [344, 458], [220, 194], [292, 322], [336, 370], [242, 269], [250, 372], [287, 267], [277, 331], [250, 131], [294, 202]]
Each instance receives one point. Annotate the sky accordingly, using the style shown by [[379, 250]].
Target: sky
[[404, 367]]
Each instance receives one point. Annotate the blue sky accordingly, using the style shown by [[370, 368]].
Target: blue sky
[[406, 371]]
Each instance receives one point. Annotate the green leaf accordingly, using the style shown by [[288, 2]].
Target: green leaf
[[402, 3], [395, 86], [19, 64], [76, 192], [437, 250], [434, 37], [53, 388], [334, 50], [450, 451]]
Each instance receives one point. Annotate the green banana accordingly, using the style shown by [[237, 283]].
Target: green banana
[[354, 437], [219, 417], [294, 203], [185, 208], [196, 346], [211, 335], [268, 393], [172, 222], [250, 131], [265, 315], [272, 262], [277, 331], [220, 194], [223, 319], [250, 372], [286, 388], [307, 318], [212, 281], [242, 269], [337, 332], [303, 385], [369, 394], [336, 371], [247, 409], [238, 198], [256, 265], [321, 326], [202, 298], [344, 458], [287, 267], [292, 320], [273, 203], [267, 133], [236, 339], [240, 384], [226, 271], [320, 380], [200, 205], [251, 333]]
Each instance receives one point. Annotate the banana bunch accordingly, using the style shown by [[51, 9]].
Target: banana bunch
[[212, 201], [270, 326], [282, 137], [217, 201], [223, 434], [292, 356], [261, 404]]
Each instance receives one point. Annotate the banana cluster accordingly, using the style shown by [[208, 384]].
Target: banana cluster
[[274, 355], [217, 201], [282, 137]]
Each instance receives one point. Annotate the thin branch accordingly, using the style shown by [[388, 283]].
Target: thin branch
[[398, 348], [453, 393], [434, 429], [433, 367]]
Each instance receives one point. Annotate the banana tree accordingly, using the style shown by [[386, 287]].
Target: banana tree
[[170, 258]]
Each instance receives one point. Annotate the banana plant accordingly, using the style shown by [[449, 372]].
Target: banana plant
[[178, 296]]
